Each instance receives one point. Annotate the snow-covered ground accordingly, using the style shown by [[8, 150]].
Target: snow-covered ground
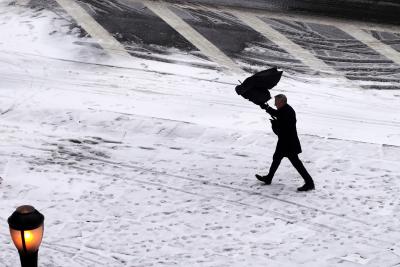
[[141, 163]]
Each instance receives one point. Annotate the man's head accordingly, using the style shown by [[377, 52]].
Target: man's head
[[280, 101]]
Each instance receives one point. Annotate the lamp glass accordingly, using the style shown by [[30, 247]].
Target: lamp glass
[[32, 238]]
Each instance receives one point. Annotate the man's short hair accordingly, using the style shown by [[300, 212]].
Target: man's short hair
[[281, 97]]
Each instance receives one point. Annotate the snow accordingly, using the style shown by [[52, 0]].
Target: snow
[[136, 167]]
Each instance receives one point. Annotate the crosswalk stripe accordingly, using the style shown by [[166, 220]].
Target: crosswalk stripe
[[96, 31], [372, 42], [294, 49], [198, 40]]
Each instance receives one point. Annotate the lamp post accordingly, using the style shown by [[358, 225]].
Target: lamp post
[[26, 229]]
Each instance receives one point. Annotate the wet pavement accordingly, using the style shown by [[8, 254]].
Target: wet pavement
[[366, 10], [246, 46], [345, 54], [145, 35]]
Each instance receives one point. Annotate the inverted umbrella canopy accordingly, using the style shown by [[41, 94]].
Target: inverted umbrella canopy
[[256, 87]]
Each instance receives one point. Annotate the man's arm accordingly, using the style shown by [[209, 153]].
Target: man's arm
[[269, 110]]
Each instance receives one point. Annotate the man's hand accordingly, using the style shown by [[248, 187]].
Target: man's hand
[[264, 106]]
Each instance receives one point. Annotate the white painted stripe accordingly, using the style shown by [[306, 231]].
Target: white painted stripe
[[372, 42], [96, 31], [198, 40], [292, 48]]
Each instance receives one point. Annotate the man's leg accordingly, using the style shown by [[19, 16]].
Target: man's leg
[[276, 160], [296, 162]]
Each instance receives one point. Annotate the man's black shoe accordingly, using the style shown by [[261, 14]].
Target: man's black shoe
[[266, 179], [306, 187]]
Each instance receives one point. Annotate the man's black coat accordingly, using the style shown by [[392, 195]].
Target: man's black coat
[[285, 127]]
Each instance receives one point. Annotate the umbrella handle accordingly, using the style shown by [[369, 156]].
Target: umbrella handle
[[240, 82]]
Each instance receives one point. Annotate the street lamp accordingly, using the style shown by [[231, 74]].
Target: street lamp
[[26, 229]]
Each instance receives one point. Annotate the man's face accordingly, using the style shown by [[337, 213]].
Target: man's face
[[279, 103]]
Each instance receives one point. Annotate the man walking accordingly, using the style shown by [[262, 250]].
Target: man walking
[[284, 125]]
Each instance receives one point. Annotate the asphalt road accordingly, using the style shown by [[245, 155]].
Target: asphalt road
[[297, 45], [367, 10]]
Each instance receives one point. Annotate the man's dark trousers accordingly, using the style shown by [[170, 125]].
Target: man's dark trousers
[[296, 162]]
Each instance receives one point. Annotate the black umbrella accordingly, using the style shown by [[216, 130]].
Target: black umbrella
[[256, 87]]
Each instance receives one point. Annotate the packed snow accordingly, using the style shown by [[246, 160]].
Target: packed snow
[[142, 163]]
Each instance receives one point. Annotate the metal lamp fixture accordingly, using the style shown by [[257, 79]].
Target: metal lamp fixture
[[26, 229]]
